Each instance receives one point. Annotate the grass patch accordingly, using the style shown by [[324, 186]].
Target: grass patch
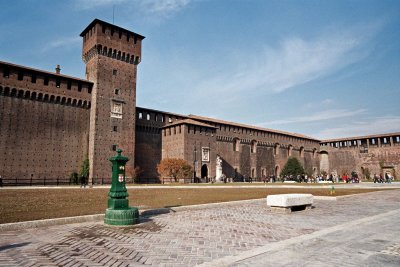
[[34, 204]]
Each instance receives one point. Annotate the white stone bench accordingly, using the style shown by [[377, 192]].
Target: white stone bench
[[290, 202]]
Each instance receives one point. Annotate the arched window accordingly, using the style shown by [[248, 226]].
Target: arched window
[[253, 173]]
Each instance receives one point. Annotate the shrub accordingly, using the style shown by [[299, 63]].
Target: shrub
[[84, 169], [292, 167], [73, 178]]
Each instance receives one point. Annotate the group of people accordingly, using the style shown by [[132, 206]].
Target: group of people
[[304, 178], [383, 179]]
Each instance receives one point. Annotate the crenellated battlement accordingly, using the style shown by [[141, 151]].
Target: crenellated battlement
[[34, 84], [105, 39]]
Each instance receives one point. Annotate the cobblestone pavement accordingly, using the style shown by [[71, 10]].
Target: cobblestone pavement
[[207, 236]]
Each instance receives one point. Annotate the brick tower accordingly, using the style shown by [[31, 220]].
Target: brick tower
[[111, 55]]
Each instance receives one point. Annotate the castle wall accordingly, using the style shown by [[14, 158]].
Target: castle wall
[[257, 152], [43, 128], [148, 142], [200, 149]]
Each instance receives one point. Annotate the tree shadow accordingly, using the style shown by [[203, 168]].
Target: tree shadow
[[11, 246], [145, 216]]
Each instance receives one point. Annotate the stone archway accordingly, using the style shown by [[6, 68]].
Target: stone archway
[[324, 162]]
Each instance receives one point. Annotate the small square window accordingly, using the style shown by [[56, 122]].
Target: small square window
[[46, 81], [116, 91], [33, 79], [115, 72], [115, 128], [114, 147]]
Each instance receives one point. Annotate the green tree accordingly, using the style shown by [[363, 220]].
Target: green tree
[[84, 168], [292, 167]]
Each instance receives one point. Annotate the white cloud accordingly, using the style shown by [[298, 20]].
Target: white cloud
[[61, 42], [378, 125], [294, 62], [318, 116], [161, 8], [327, 101], [324, 103], [90, 4]]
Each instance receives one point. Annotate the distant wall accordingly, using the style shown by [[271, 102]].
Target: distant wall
[[374, 154]]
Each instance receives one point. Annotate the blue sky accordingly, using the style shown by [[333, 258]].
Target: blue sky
[[327, 69]]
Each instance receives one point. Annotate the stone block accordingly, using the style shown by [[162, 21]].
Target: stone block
[[289, 200]]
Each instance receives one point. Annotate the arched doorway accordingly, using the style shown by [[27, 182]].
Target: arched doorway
[[324, 162], [204, 172], [277, 171]]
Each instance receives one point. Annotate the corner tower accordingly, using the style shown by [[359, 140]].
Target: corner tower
[[111, 55]]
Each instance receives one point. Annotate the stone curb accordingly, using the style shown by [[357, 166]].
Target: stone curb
[[325, 198], [50, 222]]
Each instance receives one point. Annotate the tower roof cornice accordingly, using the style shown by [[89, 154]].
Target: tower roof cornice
[[117, 28]]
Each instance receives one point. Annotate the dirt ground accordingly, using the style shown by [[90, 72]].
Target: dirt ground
[[33, 204]]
